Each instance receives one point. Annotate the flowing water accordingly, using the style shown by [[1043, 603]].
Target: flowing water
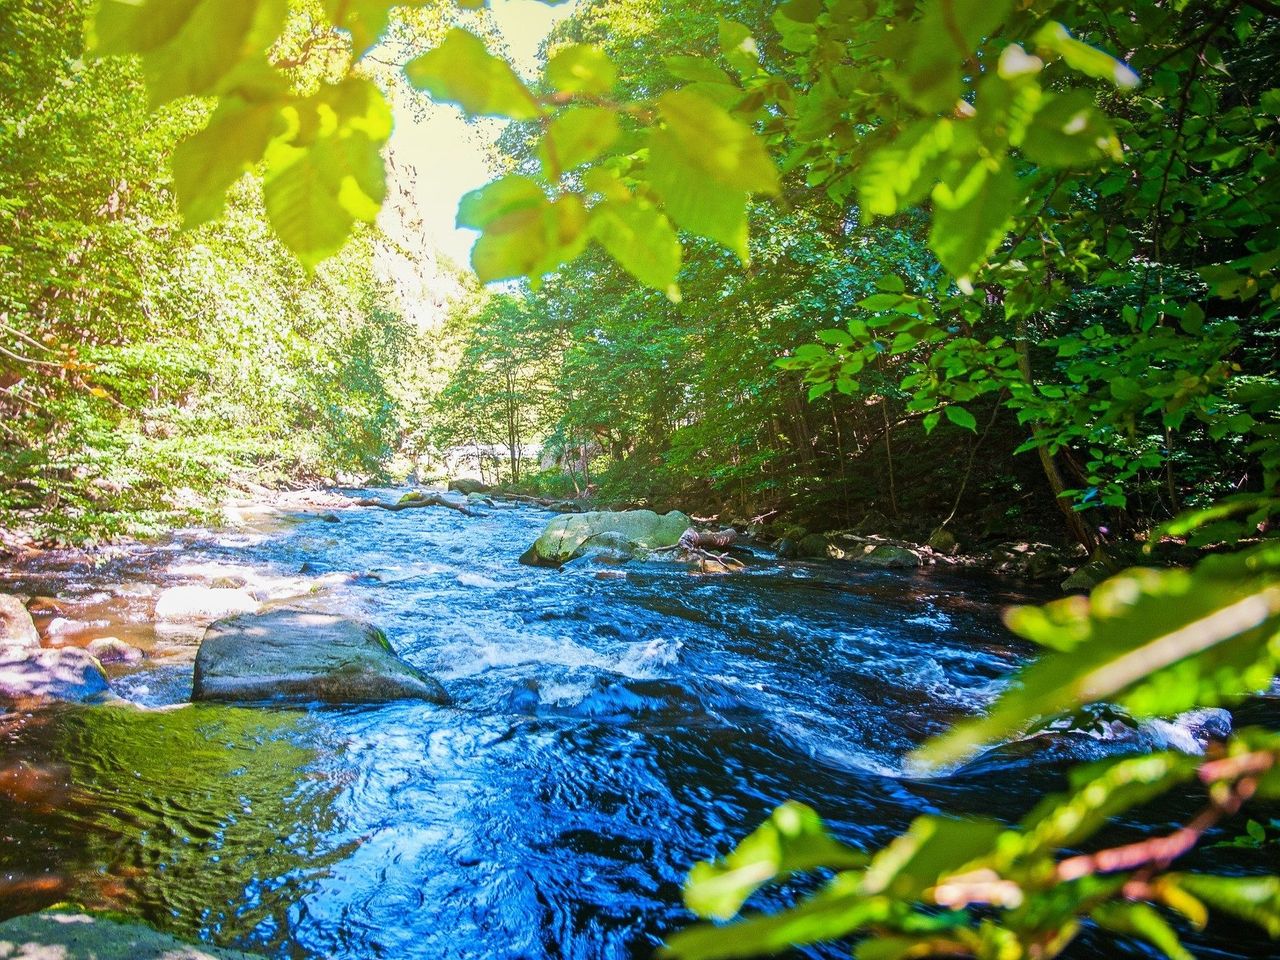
[[672, 713]]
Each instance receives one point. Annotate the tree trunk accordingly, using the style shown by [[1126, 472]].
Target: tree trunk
[[1075, 523], [888, 452]]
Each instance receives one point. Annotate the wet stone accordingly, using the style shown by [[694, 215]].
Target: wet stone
[[30, 677], [302, 656]]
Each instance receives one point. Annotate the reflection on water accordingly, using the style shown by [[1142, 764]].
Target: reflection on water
[[607, 733]]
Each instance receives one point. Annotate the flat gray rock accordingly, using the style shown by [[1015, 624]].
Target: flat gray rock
[[58, 935], [300, 656], [29, 677]]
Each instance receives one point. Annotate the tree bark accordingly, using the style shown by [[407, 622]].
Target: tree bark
[[1075, 523]]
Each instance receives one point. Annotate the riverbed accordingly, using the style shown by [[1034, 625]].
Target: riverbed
[[673, 712]]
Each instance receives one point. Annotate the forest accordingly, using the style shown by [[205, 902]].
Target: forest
[[958, 278]]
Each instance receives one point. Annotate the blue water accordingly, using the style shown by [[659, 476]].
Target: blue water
[[673, 712]]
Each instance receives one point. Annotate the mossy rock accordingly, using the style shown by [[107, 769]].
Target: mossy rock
[[1086, 578], [564, 537], [943, 541], [467, 485], [886, 555], [71, 935], [813, 546]]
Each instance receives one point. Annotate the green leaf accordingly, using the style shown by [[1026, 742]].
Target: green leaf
[[836, 911], [1141, 920], [127, 26], [961, 417], [792, 840], [187, 46], [301, 196], [331, 173], [576, 136], [479, 208], [901, 172], [1069, 131], [837, 338], [721, 146], [1099, 792], [582, 68], [738, 46], [207, 163], [695, 69], [703, 163], [695, 203], [1056, 38], [463, 71], [365, 20], [971, 218], [931, 848], [934, 52], [642, 240], [530, 241], [1256, 899]]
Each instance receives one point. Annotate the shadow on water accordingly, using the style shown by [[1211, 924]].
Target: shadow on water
[[608, 733]]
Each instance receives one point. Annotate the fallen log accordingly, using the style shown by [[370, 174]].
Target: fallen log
[[700, 544], [693, 539], [424, 500]]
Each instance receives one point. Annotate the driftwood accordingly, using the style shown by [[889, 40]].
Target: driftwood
[[422, 500], [698, 544]]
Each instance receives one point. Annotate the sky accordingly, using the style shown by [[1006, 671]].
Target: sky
[[449, 153]]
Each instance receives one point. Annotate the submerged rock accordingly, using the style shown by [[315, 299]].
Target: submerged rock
[[196, 602], [68, 935], [567, 537], [16, 626], [302, 656], [30, 676], [114, 650]]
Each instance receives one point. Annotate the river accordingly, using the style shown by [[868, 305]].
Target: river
[[675, 712]]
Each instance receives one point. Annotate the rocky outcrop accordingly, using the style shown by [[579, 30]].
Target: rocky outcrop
[[69, 935], [301, 656], [16, 627], [197, 602], [30, 676], [568, 536]]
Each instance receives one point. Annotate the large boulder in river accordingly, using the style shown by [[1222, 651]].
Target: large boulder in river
[[568, 536], [71, 935], [467, 486], [16, 626], [30, 676], [302, 656], [887, 555], [813, 546], [197, 602]]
